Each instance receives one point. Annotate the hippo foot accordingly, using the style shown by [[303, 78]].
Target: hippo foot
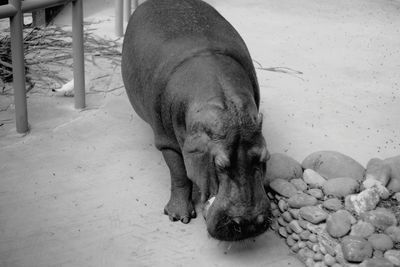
[[180, 209]]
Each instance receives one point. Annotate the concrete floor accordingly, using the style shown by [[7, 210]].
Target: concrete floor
[[87, 188]]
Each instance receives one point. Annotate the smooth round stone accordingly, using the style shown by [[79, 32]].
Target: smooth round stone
[[301, 200], [282, 222], [282, 232], [338, 224], [356, 249], [275, 226], [313, 179], [305, 235], [318, 256], [378, 170], [310, 244], [362, 229], [332, 204], [283, 187], [394, 183], [289, 230], [306, 253], [287, 217], [376, 262], [315, 192], [394, 233], [381, 218], [340, 187], [295, 236], [302, 244], [294, 225], [313, 238], [275, 213], [299, 184], [393, 256], [362, 202], [380, 242], [295, 248], [309, 262], [282, 205], [281, 166], [290, 241], [313, 214], [329, 260], [315, 247], [294, 213], [332, 164], [319, 264]]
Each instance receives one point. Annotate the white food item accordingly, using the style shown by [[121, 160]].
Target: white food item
[[207, 205]]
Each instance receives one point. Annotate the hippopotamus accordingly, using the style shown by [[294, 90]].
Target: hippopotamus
[[189, 75]]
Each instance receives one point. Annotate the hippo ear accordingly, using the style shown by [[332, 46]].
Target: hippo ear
[[196, 158]]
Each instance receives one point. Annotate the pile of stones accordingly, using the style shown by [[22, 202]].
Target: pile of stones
[[334, 212]]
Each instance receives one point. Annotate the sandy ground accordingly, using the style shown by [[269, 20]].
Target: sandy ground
[[87, 188]]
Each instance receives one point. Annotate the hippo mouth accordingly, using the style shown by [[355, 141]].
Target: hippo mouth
[[225, 227]]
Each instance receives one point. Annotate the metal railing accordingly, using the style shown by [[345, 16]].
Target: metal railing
[[123, 9], [14, 10]]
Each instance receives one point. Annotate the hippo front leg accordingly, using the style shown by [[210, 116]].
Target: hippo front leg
[[180, 206]]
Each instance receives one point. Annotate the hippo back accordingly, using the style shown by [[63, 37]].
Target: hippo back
[[161, 35]]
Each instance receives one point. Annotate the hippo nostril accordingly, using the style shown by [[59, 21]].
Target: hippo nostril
[[260, 219]]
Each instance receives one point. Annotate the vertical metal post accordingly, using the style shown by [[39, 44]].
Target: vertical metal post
[[127, 9], [119, 18], [17, 51], [78, 54]]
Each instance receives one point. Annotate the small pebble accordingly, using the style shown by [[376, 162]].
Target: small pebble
[[282, 222], [299, 184], [301, 200], [309, 262], [377, 254], [318, 256], [356, 249], [290, 241], [313, 179], [294, 213], [273, 205], [295, 236], [275, 213], [305, 235], [393, 256], [294, 225], [329, 260], [302, 244], [332, 204], [362, 229], [282, 205], [313, 238], [289, 230], [287, 217], [282, 232], [313, 214], [275, 225], [315, 247], [394, 233], [380, 242], [315, 192], [295, 248], [309, 244]]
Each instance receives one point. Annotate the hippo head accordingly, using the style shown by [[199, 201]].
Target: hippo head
[[225, 154]]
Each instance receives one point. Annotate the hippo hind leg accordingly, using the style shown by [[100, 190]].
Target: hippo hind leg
[[180, 206]]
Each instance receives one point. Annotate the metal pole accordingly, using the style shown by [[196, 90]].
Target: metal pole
[[119, 18], [78, 54], [127, 9], [17, 51]]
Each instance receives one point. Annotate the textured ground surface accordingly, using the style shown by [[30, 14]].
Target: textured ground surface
[[87, 188]]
